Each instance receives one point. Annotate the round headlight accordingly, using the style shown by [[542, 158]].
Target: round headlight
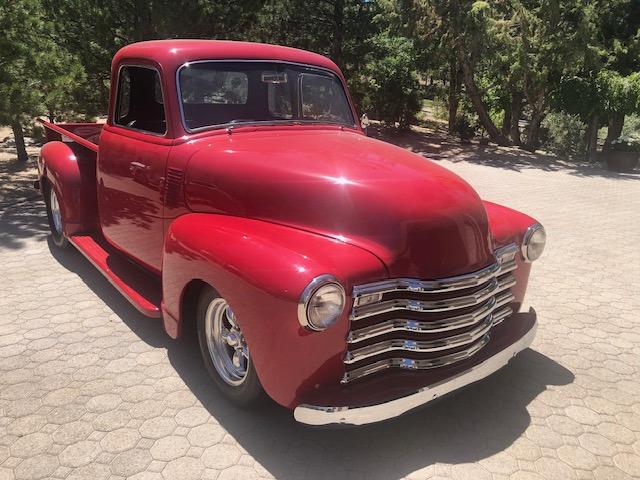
[[321, 303], [534, 241]]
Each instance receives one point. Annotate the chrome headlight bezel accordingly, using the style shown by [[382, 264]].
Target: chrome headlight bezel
[[535, 235], [310, 292]]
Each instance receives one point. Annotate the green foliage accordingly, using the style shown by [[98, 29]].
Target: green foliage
[[388, 85], [565, 135]]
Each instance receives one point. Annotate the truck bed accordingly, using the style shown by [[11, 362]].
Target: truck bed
[[85, 134]]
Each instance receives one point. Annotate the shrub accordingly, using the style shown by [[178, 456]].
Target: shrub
[[564, 135]]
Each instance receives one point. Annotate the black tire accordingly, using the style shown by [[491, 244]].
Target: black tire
[[57, 234], [250, 391]]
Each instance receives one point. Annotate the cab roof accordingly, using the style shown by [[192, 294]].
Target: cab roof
[[170, 54]]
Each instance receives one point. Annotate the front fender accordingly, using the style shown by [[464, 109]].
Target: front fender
[[261, 269], [509, 226]]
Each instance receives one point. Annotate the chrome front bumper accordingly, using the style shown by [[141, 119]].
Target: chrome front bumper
[[317, 415]]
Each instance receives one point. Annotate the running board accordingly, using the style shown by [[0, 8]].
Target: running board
[[141, 288]]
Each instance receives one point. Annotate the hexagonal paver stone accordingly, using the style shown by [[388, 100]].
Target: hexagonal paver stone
[[94, 471], [32, 444], [583, 415], [170, 448], [192, 416], [62, 396], [577, 457], [79, 454], [628, 463], [597, 444], [72, 432], [469, 471], [501, 462], [104, 402], [158, 427], [147, 476], [206, 435], [554, 469], [120, 440], [185, 468], [137, 393], [130, 462], [26, 425], [147, 409], [36, 467], [111, 420], [239, 472], [221, 456], [4, 454], [607, 472]]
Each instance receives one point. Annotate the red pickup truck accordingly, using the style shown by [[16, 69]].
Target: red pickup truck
[[233, 192]]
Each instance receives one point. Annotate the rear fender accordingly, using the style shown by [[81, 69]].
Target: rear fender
[[261, 269], [70, 170]]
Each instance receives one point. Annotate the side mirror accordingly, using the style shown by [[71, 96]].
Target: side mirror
[[364, 122]]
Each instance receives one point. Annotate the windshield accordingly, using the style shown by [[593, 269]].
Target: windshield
[[223, 93]]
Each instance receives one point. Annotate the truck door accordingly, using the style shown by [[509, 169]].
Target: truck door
[[131, 167]]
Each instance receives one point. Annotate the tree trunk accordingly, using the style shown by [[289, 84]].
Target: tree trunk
[[478, 103], [592, 138], [18, 136], [533, 131], [338, 32], [454, 93], [616, 123], [506, 121], [516, 113]]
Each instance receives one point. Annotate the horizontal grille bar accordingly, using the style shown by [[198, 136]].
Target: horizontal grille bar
[[411, 364], [461, 282], [494, 286], [426, 346], [431, 326]]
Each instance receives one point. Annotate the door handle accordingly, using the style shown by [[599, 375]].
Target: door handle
[[136, 166]]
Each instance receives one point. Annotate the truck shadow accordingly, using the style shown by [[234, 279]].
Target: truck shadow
[[467, 427]]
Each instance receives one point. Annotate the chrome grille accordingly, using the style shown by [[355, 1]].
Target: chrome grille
[[415, 324]]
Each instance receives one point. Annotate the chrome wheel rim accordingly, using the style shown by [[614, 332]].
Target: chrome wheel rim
[[227, 348], [55, 212]]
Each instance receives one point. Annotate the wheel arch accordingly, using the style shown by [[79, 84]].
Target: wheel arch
[[70, 171]]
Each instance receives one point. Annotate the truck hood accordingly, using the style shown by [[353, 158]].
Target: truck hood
[[420, 219]]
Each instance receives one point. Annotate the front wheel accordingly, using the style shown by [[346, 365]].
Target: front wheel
[[54, 216], [225, 352]]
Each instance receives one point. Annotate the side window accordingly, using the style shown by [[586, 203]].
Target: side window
[[140, 104]]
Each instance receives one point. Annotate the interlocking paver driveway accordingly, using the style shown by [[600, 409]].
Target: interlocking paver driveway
[[90, 389]]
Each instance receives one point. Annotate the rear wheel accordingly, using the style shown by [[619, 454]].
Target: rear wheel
[[225, 352], [54, 215]]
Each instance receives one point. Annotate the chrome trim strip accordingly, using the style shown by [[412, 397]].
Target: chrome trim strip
[[496, 285], [327, 415], [431, 326]]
